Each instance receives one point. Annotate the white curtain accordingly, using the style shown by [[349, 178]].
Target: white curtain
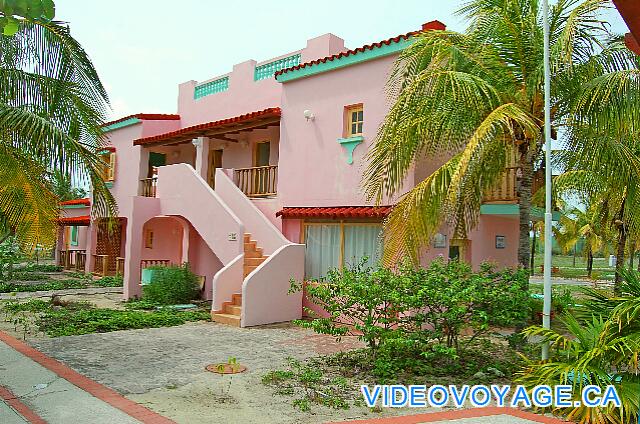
[[360, 241], [323, 249]]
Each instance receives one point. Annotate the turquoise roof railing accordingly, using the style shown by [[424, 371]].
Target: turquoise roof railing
[[268, 69], [211, 87]]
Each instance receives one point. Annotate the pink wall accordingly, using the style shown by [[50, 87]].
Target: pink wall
[[132, 161], [313, 165], [203, 261], [483, 238], [244, 94], [167, 240]]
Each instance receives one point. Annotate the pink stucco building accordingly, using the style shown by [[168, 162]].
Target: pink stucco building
[[256, 180]]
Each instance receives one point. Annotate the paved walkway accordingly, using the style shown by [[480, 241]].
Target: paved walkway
[[66, 292], [39, 390]]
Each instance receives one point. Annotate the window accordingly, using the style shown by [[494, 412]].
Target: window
[[354, 120], [74, 235], [334, 245], [148, 238], [108, 170]]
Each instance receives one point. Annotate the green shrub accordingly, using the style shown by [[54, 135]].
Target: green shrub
[[109, 281], [63, 322], [417, 306], [172, 285], [40, 268], [52, 285], [29, 276], [360, 301], [9, 256]]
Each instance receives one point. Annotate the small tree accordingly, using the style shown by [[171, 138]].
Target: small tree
[[9, 255], [360, 301]]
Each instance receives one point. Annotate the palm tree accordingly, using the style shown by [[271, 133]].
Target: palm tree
[[578, 224], [477, 99], [52, 105], [599, 344]]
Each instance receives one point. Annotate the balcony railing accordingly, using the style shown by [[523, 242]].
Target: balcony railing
[[507, 191], [259, 181], [101, 265], [148, 187], [81, 260], [146, 263]]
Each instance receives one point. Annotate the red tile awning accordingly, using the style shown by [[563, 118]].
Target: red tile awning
[[80, 221], [249, 121], [83, 202], [335, 212]]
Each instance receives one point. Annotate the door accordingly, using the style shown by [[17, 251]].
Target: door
[[263, 152], [215, 162], [262, 175], [156, 160]]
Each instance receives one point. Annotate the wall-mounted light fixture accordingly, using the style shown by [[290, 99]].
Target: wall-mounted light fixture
[[196, 142], [308, 115]]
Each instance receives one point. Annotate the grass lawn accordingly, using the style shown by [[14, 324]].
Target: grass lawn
[[601, 268]]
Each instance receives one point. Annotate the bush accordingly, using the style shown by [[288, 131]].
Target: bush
[[417, 306], [359, 300], [172, 285], [109, 281], [29, 276], [41, 268], [52, 285], [65, 322], [9, 256]]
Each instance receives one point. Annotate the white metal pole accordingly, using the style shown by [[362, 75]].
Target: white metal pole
[[546, 311]]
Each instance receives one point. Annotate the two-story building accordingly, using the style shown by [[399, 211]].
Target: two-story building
[[257, 180]]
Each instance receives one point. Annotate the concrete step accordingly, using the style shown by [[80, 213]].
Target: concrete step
[[254, 261], [248, 269], [228, 319], [236, 299], [232, 309], [255, 253]]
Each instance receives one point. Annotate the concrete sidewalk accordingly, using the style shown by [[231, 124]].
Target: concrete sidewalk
[[50, 396], [37, 389]]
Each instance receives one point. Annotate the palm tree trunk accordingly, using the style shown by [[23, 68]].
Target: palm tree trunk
[[589, 263], [524, 202], [622, 241], [632, 253]]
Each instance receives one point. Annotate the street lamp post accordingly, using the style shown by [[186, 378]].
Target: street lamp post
[[546, 310]]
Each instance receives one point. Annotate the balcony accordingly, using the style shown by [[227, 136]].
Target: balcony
[[148, 187], [506, 191], [259, 181]]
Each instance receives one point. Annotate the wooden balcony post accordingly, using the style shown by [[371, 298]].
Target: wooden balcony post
[[259, 181]]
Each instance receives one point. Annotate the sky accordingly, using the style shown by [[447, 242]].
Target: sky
[[143, 49]]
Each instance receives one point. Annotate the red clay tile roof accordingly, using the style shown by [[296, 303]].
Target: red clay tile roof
[[147, 116], [84, 202], [433, 25], [200, 130], [82, 221], [335, 212]]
